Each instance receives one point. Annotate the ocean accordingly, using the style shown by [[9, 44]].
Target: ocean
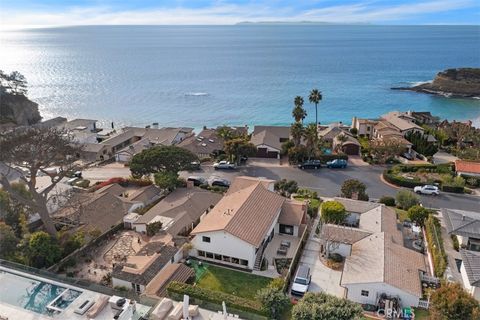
[[243, 74]]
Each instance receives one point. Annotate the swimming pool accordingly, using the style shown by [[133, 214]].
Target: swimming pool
[[35, 295]]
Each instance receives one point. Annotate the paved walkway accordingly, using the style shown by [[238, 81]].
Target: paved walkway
[[452, 271], [324, 279]]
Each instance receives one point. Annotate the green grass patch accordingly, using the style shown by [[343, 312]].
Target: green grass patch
[[233, 282], [421, 314]]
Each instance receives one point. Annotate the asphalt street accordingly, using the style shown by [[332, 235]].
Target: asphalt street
[[326, 182]]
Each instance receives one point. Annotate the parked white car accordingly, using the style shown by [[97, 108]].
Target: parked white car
[[301, 281], [223, 165], [427, 189]]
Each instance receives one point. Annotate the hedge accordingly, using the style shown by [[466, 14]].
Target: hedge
[[217, 297], [433, 235], [454, 189], [474, 179], [402, 182]]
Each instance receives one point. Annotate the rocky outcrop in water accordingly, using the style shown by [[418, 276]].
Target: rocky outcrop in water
[[461, 82], [18, 110]]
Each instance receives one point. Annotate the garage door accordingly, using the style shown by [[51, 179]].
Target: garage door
[[351, 149]]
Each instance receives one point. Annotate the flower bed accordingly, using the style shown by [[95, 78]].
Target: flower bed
[[433, 234]]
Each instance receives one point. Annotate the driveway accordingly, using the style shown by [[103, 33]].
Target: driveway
[[323, 279]]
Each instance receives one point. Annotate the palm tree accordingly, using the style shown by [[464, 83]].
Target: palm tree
[[311, 138], [298, 101], [315, 97], [299, 113], [296, 131]]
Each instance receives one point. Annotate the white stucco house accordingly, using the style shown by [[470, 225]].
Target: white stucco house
[[465, 225], [269, 139], [377, 265], [239, 228], [470, 271]]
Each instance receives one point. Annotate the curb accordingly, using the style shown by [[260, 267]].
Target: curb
[[388, 183]]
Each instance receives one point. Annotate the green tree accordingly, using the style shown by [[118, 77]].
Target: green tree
[[8, 241], [74, 242], [153, 228], [239, 147], [161, 159], [452, 302], [421, 144], [333, 212], [406, 199], [418, 214], [225, 132], [274, 301], [353, 188], [296, 131], [286, 187], [315, 97], [13, 212], [286, 146], [310, 135], [341, 138], [322, 306], [34, 150], [298, 111], [43, 250], [166, 180], [297, 154]]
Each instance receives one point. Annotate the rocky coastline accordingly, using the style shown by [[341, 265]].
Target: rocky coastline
[[452, 83]]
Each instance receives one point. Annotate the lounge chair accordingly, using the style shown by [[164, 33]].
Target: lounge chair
[[97, 307], [87, 304], [162, 309], [176, 313]]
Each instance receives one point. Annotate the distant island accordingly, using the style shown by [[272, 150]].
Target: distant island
[[300, 23], [455, 83]]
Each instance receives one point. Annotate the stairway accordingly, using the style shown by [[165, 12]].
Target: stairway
[[258, 259]]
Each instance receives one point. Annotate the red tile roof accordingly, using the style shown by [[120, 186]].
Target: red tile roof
[[467, 166]]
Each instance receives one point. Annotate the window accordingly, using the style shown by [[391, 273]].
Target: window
[[365, 293], [209, 255], [218, 257], [368, 128], [201, 253], [286, 229], [244, 262], [206, 239]]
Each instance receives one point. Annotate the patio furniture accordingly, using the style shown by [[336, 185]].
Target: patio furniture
[[162, 309], [285, 243], [97, 307], [176, 313], [282, 251]]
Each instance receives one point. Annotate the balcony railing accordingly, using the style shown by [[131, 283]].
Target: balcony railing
[[423, 304]]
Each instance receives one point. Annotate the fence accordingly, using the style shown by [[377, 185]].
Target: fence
[[296, 259], [87, 248]]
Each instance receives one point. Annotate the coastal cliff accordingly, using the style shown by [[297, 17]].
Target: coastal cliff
[[18, 110], [461, 82]]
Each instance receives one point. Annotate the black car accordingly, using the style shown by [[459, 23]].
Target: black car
[[197, 181], [310, 164], [219, 182]]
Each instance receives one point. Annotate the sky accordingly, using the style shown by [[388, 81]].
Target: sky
[[43, 13]]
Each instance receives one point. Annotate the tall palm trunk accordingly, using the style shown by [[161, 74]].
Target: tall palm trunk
[[316, 114]]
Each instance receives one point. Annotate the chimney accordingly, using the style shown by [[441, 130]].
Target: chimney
[[155, 125], [189, 184]]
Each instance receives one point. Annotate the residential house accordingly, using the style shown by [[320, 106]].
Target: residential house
[[240, 227], [92, 152], [376, 262], [424, 117], [351, 146], [208, 143], [403, 122], [364, 126], [269, 139], [470, 271], [465, 225], [81, 130], [329, 133], [469, 168], [141, 268], [179, 212]]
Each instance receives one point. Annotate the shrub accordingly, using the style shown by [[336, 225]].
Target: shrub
[[83, 184], [274, 301], [314, 306], [418, 214], [392, 178], [153, 228], [388, 201], [143, 182], [456, 244], [179, 289], [333, 212], [335, 257], [406, 199], [453, 189], [435, 245], [351, 187]]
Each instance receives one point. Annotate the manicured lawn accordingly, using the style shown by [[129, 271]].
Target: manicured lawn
[[238, 283], [421, 314]]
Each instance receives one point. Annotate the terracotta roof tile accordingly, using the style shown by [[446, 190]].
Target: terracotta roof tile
[[467, 166]]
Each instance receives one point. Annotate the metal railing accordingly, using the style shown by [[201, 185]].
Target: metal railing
[[80, 283], [424, 304]]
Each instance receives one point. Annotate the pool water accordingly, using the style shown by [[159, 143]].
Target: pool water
[[34, 295], [327, 151]]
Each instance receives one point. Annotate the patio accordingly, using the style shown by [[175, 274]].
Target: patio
[[275, 249]]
